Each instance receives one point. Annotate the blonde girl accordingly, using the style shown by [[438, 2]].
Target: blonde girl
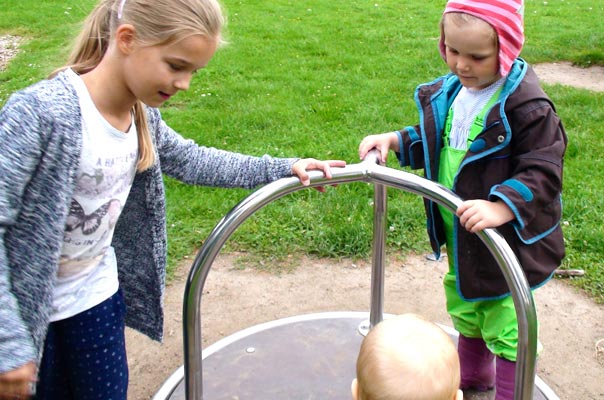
[[82, 207]]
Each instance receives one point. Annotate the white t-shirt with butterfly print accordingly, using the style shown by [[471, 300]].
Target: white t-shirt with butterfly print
[[87, 273]]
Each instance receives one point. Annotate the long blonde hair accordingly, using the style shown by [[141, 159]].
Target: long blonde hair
[[157, 22]]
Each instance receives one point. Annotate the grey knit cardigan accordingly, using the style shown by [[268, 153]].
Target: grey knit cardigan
[[40, 145]]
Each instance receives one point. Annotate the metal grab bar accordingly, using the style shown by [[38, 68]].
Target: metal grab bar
[[369, 171]]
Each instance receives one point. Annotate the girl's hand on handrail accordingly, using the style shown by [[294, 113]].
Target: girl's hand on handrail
[[302, 166]]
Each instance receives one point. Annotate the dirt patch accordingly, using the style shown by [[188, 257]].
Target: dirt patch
[[564, 73], [9, 47], [570, 324]]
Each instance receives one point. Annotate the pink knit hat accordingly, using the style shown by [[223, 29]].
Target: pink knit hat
[[505, 16]]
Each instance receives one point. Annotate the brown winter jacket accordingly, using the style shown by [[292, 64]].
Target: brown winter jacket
[[518, 158]]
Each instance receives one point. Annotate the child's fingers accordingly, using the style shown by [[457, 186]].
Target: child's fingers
[[366, 146], [18, 382], [302, 167], [304, 178], [336, 163]]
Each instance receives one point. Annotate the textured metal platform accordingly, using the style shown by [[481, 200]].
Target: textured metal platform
[[304, 357]]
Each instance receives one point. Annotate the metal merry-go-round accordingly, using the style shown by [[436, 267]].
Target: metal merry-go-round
[[313, 356]]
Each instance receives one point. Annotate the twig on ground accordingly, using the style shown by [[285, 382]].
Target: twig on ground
[[569, 272]]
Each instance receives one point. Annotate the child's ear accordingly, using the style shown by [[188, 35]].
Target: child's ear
[[354, 388], [125, 36]]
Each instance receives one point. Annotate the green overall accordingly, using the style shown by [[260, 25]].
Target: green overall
[[492, 320]]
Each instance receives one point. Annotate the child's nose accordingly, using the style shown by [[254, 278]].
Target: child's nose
[[463, 64], [182, 83]]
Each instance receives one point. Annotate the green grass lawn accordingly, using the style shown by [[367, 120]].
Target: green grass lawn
[[312, 79]]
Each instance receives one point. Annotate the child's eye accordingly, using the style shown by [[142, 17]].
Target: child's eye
[[175, 67]]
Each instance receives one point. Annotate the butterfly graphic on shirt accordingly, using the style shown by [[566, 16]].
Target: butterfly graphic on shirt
[[89, 223]]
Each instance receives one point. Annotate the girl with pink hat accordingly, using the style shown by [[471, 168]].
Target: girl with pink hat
[[489, 132]]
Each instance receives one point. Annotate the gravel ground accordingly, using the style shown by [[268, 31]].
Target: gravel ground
[[9, 47]]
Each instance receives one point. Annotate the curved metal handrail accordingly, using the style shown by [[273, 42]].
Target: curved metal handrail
[[369, 171]]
